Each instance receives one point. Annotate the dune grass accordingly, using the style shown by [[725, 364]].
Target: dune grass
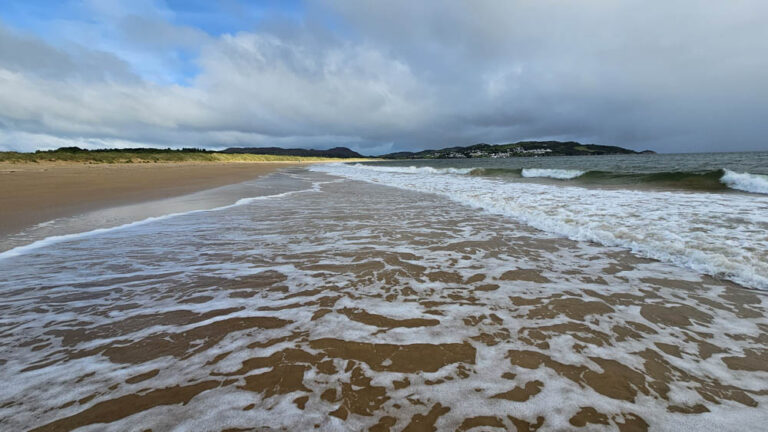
[[149, 156]]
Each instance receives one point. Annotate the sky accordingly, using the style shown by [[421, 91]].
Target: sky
[[383, 76]]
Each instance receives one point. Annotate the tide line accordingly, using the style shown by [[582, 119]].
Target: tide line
[[20, 250]]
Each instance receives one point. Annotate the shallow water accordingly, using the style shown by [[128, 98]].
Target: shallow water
[[142, 212], [720, 234], [340, 304]]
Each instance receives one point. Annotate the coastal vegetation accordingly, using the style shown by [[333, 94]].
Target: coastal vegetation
[[277, 154], [149, 155]]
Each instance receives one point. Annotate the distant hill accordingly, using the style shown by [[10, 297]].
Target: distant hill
[[336, 152], [518, 149], [147, 155]]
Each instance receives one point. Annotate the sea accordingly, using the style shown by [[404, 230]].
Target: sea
[[707, 211], [552, 293]]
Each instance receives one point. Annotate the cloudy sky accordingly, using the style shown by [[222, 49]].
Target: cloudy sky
[[672, 76]]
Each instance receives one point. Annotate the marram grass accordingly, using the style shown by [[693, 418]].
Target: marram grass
[[149, 156]]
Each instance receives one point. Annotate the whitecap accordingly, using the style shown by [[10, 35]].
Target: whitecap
[[415, 169], [560, 174], [746, 182]]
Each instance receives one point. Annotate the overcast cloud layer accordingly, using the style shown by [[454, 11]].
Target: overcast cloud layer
[[670, 76]]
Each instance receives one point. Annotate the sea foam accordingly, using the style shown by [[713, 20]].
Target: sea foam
[[415, 169], [125, 291], [20, 250], [746, 182], [560, 174], [724, 235]]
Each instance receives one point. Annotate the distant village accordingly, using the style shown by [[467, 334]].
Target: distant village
[[518, 149], [512, 152]]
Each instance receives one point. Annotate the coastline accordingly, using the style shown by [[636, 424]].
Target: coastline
[[36, 193], [336, 300]]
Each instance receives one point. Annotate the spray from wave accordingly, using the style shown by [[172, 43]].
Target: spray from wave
[[747, 182]]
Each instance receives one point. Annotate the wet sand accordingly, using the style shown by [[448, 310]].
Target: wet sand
[[40, 192], [339, 305]]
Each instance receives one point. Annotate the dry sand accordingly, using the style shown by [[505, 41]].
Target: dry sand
[[35, 193]]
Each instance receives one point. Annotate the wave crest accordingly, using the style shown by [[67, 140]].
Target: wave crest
[[415, 169], [746, 182], [706, 181], [560, 174]]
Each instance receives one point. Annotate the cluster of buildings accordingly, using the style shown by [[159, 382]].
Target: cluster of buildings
[[512, 152], [454, 155], [519, 151]]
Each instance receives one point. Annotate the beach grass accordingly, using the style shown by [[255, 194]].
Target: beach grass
[[150, 156]]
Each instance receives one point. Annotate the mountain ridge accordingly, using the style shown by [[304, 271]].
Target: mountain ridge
[[517, 149]]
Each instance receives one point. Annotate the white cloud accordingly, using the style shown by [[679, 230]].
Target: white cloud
[[679, 76], [282, 87]]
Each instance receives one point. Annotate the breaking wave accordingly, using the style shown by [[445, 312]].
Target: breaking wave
[[724, 235], [707, 181], [415, 169], [747, 182], [560, 174]]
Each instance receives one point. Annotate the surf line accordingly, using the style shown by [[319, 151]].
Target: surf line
[[20, 250]]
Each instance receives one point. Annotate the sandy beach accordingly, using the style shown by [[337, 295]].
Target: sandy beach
[[323, 303], [39, 192], [241, 216]]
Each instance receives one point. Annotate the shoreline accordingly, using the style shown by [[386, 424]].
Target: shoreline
[[276, 304], [36, 193]]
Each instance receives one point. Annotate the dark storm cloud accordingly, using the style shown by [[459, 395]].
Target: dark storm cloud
[[383, 76]]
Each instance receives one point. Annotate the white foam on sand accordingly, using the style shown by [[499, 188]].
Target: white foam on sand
[[19, 250], [357, 242], [724, 235]]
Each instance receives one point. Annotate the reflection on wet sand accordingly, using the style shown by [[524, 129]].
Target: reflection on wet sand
[[367, 308]]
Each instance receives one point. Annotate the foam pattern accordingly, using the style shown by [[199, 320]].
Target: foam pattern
[[724, 235], [350, 306]]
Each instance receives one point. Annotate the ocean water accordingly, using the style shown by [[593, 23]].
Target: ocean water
[[714, 172], [706, 212], [352, 297]]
